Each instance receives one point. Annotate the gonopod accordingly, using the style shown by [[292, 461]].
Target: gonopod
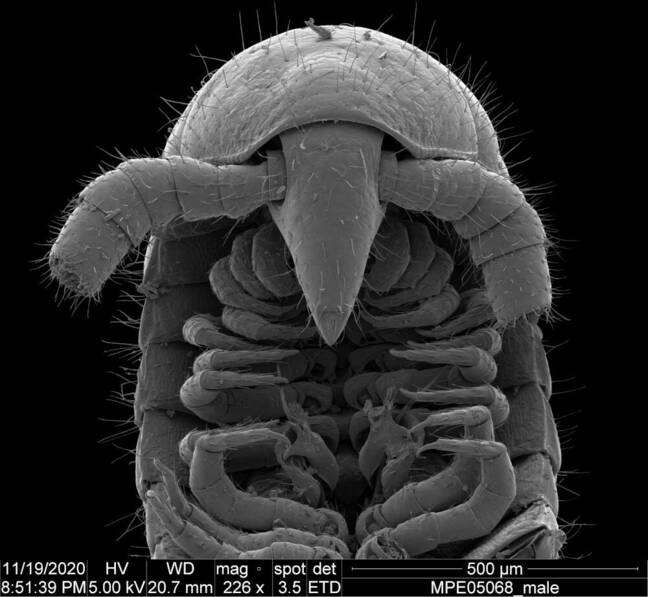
[[362, 356]]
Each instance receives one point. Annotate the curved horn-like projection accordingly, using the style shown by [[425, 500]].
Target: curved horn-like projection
[[330, 215], [505, 234], [117, 210]]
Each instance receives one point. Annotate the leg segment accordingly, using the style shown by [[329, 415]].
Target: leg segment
[[476, 517]]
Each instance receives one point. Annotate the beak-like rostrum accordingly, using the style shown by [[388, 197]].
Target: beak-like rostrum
[[330, 214]]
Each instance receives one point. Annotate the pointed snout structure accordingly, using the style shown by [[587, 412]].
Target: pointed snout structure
[[330, 215]]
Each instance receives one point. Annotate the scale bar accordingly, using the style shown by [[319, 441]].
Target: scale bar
[[401, 568], [521, 578], [636, 568]]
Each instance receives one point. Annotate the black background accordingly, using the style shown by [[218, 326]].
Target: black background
[[90, 83]]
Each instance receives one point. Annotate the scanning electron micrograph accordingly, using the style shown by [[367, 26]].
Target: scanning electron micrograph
[[341, 345]]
